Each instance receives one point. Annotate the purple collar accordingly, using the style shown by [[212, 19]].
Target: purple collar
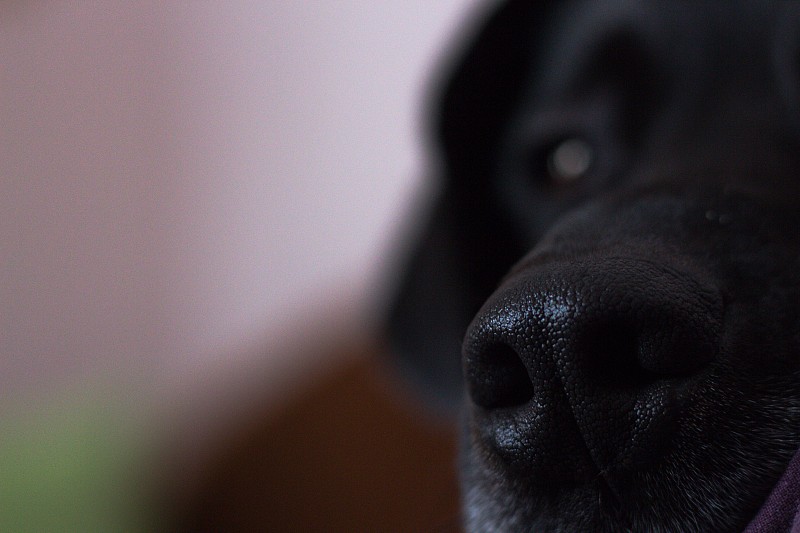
[[781, 512]]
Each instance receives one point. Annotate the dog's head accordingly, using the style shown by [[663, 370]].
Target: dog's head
[[618, 247]]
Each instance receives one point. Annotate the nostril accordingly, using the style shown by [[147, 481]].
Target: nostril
[[498, 378], [617, 354]]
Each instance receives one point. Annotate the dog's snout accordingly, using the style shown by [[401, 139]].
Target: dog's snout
[[619, 334]]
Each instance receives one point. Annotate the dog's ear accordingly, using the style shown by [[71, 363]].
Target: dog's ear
[[467, 245]]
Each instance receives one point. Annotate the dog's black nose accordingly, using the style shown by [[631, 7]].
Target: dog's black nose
[[607, 344]]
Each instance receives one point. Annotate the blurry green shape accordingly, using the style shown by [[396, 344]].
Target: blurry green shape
[[76, 467]]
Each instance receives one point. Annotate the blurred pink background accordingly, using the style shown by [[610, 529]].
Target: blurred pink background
[[188, 187], [197, 199]]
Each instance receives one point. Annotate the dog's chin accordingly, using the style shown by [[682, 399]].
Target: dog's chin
[[496, 500], [494, 504], [715, 486]]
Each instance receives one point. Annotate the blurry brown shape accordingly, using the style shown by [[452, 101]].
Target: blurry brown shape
[[345, 456]]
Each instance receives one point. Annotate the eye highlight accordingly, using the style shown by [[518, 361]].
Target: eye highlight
[[569, 160]]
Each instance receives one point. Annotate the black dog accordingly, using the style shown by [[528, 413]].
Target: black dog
[[639, 164]]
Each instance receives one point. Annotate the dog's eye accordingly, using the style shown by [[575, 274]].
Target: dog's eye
[[569, 160]]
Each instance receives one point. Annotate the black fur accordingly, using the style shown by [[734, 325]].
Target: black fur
[[639, 366]]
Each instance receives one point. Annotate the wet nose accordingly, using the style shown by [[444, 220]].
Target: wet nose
[[608, 343]]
